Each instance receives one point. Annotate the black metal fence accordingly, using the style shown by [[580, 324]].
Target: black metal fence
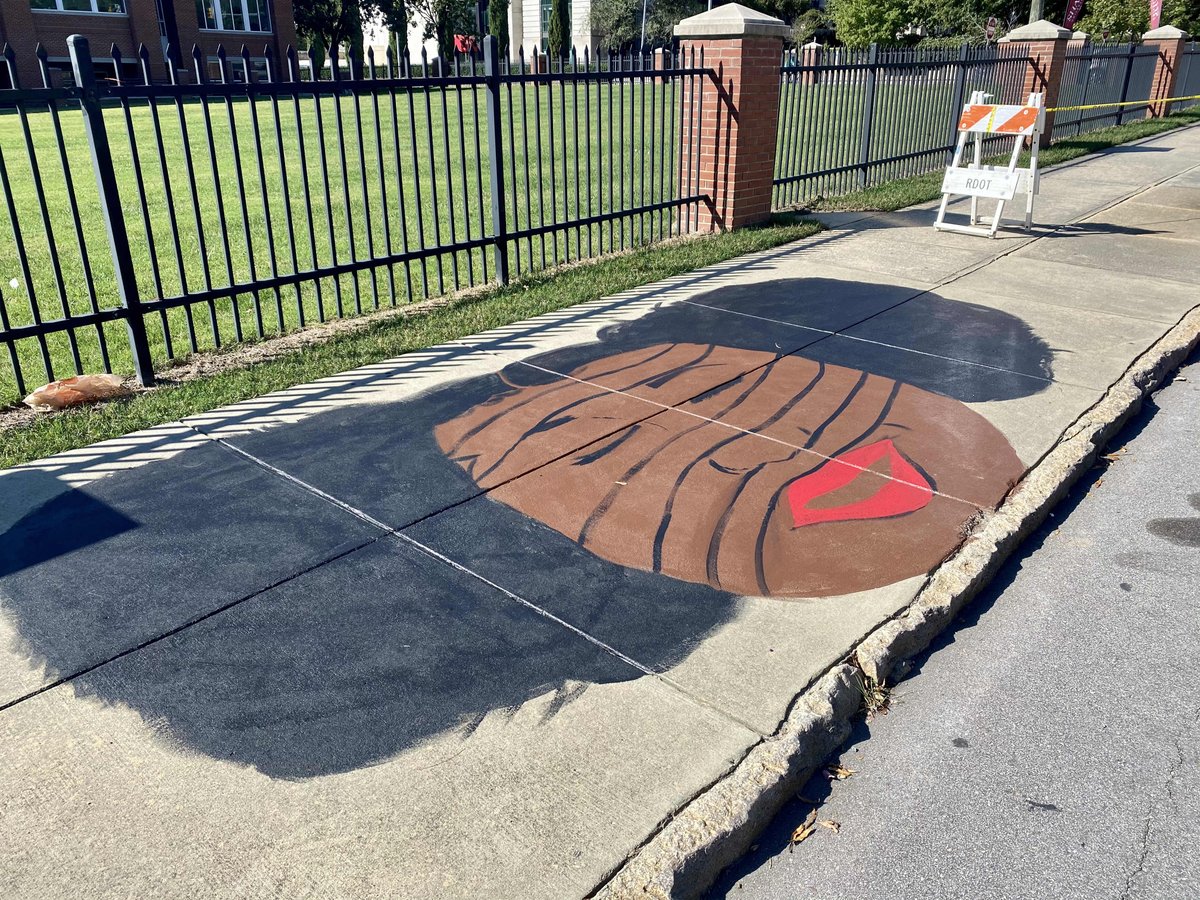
[[1096, 74], [849, 119], [149, 218], [1188, 81]]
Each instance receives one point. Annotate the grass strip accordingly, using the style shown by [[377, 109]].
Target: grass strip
[[903, 192], [388, 337]]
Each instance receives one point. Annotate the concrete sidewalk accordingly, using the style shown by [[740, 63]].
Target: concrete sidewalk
[[1043, 748], [478, 621]]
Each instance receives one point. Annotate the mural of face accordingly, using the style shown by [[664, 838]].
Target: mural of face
[[645, 532], [832, 480]]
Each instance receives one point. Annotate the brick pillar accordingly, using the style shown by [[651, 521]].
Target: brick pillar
[[1046, 44], [17, 27], [810, 56], [738, 111], [283, 20], [1168, 41]]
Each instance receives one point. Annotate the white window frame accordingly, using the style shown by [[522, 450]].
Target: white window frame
[[94, 11], [219, 10]]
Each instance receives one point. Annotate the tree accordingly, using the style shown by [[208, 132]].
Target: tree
[[442, 20], [339, 23], [333, 23], [559, 37], [808, 25], [1183, 14], [1132, 17], [863, 22], [618, 23], [497, 24], [1115, 17]]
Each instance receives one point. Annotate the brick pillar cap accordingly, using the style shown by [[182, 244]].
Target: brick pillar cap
[[1166, 33], [731, 20], [1041, 30], [1080, 36]]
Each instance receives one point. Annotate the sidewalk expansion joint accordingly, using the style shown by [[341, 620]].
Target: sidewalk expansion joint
[[195, 620], [398, 533]]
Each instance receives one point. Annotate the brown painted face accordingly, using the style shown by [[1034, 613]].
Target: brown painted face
[[830, 480]]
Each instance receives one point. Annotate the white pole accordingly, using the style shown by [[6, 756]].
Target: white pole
[[644, 3]]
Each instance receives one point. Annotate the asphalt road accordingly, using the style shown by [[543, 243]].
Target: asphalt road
[[1047, 746]]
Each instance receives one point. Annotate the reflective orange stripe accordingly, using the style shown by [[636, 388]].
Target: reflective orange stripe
[[973, 115], [1022, 121]]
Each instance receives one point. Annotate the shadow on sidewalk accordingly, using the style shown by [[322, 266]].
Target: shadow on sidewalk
[[374, 650]]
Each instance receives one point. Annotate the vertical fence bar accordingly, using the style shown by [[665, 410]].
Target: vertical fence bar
[[1125, 84], [240, 185], [43, 208], [73, 204], [491, 66], [139, 180], [110, 207], [960, 97], [868, 114], [293, 75]]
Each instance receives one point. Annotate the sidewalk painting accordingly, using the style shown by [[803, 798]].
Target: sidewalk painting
[[832, 480], [359, 659]]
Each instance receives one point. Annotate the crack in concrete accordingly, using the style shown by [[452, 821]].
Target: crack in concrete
[[1155, 810]]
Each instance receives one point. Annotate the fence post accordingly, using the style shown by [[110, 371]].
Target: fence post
[[960, 97], [110, 207], [1046, 44], [1129, 57], [1168, 41], [864, 147], [491, 70], [737, 115]]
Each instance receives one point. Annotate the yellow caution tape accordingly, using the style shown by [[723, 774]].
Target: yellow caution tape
[[1125, 103]]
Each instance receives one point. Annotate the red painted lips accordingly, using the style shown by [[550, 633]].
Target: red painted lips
[[906, 491]]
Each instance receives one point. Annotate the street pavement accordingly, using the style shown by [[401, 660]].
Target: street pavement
[[1047, 745], [476, 621]]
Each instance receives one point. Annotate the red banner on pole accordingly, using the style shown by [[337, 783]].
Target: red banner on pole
[[1155, 13], [1074, 10]]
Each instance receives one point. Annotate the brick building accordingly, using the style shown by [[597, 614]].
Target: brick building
[[128, 23]]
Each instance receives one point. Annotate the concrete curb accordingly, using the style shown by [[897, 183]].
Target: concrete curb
[[716, 827]]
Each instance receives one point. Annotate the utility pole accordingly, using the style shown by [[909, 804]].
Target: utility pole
[[1035, 10]]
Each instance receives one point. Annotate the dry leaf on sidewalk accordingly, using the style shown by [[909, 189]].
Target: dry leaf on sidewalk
[[838, 771], [805, 828], [802, 833], [833, 826]]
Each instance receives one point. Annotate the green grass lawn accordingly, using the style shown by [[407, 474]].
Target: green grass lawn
[[390, 336], [607, 142]]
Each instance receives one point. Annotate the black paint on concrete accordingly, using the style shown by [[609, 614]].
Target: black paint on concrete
[[96, 570], [351, 663], [964, 381], [651, 618], [807, 301], [825, 304], [924, 323], [380, 649]]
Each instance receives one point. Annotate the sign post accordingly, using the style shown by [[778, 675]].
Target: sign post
[[999, 183]]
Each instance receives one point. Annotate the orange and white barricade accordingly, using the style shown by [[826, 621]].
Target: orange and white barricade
[[999, 183]]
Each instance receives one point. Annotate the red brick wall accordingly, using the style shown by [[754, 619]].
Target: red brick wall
[[24, 28]]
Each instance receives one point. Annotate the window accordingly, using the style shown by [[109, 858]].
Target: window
[[545, 7], [232, 15], [85, 6]]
